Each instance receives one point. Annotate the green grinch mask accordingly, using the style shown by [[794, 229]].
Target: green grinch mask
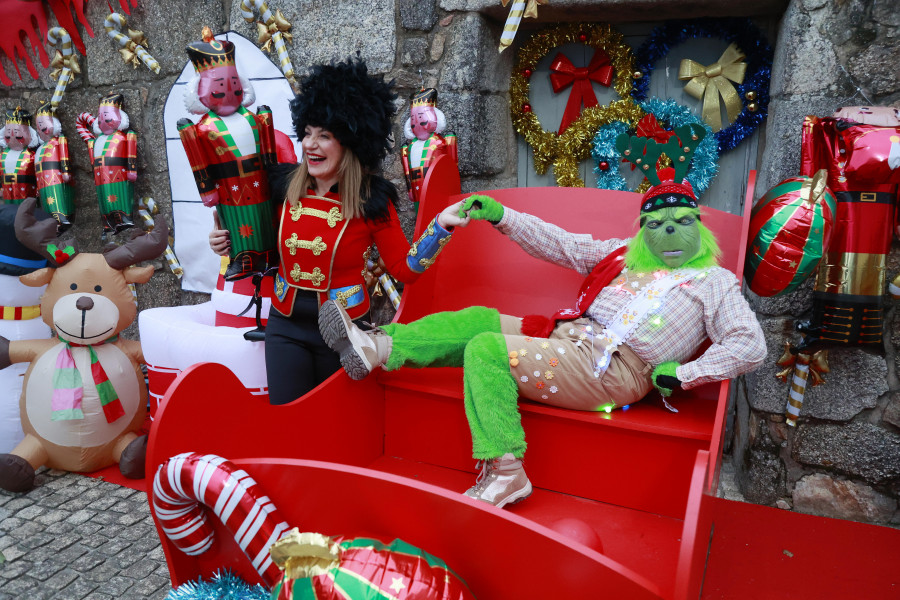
[[672, 235], [671, 238]]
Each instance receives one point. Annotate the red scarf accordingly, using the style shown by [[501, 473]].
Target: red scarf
[[606, 270]]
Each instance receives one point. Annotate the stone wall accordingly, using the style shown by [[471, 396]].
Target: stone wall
[[844, 458]]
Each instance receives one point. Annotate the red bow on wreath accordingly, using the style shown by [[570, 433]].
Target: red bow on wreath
[[563, 74], [649, 127]]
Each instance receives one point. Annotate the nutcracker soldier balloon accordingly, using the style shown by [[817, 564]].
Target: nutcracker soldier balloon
[[848, 294], [113, 150], [17, 156], [228, 150], [425, 128], [52, 168]]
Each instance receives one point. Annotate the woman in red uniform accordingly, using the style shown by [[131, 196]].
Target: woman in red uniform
[[333, 208]]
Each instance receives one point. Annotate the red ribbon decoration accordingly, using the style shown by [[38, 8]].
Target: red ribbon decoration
[[649, 127], [563, 74]]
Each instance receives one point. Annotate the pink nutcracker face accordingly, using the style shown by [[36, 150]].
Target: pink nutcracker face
[[323, 153], [108, 119], [423, 120], [44, 126], [16, 135], [220, 90]]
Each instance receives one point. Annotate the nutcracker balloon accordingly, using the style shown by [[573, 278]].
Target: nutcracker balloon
[[848, 294], [229, 149], [17, 156], [425, 128], [113, 150], [52, 168]]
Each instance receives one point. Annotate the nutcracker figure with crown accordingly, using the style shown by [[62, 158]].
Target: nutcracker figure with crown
[[229, 149], [52, 168], [425, 128], [112, 146], [17, 156]]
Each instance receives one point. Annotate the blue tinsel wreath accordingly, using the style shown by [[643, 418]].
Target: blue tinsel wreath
[[704, 163], [748, 38], [223, 586]]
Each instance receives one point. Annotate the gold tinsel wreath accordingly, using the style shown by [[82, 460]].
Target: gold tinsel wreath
[[566, 151]]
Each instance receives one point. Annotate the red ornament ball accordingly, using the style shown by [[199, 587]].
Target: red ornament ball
[[526, 108], [582, 37], [527, 73], [604, 166]]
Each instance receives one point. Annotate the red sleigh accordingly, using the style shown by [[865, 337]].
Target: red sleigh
[[624, 503]]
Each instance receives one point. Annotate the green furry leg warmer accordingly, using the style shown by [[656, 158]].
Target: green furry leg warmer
[[439, 340], [491, 397]]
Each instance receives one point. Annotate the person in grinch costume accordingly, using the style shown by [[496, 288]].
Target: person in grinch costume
[[647, 305]]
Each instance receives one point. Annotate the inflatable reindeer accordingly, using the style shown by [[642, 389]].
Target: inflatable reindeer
[[84, 397]]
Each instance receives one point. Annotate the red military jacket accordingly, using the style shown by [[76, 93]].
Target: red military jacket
[[218, 165], [322, 251], [119, 157], [19, 184], [51, 161]]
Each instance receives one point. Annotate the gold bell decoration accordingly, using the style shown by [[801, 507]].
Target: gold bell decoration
[[799, 366], [131, 46], [64, 64], [271, 28], [520, 9], [710, 83]]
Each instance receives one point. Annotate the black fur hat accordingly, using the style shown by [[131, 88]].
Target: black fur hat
[[353, 105]]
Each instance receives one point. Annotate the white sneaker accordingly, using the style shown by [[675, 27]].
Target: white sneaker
[[360, 351], [502, 481]]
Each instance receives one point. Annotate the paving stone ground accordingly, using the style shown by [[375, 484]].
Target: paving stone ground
[[77, 538]]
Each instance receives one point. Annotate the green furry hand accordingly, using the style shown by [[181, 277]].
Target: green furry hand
[[482, 208], [665, 379]]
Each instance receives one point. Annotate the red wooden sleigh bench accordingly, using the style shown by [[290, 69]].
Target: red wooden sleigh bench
[[622, 503]]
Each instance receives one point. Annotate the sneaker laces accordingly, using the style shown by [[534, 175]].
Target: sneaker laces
[[483, 479]]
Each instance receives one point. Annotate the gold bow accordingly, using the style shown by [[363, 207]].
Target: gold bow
[[530, 8], [61, 62], [708, 83], [265, 31], [818, 365], [137, 37], [129, 54]]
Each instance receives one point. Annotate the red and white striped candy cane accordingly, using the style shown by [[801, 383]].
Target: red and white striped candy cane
[[188, 485], [84, 125]]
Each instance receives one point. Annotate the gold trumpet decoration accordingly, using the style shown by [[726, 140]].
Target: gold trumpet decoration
[[709, 83]]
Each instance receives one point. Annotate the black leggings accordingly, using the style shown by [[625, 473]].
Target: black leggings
[[297, 358]]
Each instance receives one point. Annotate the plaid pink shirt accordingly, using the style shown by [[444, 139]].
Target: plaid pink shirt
[[709, 306]]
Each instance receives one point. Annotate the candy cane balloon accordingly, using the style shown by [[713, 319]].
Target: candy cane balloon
[[64, 64], [84, 125], [520, 9], [273, 27], [131, 44], [187, 486]]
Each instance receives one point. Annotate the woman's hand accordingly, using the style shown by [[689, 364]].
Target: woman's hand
[[219, 239], [449, 217]]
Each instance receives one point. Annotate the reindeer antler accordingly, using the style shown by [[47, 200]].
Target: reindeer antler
[[144, 246], [645, 152], [642, 153], [689, 136], [41, 236]]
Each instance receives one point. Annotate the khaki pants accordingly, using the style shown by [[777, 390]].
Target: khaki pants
[[559, 370]]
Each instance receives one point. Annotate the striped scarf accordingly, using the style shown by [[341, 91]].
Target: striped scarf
[[68, 387]]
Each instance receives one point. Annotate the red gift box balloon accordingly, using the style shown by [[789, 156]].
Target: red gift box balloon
[[790, 229]]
